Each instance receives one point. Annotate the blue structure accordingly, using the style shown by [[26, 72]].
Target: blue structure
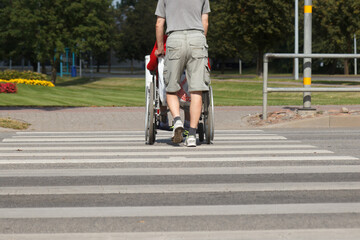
[[65, 67]]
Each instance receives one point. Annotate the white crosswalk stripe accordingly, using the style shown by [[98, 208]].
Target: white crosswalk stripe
[[110, 185]]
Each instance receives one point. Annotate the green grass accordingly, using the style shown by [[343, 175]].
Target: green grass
[[80, 92], [230, 93], [131, 92]]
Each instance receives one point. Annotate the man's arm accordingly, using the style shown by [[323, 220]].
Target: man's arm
[[160, 24], [205, 22]]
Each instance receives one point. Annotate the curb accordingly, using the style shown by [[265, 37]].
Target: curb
[[320, 122]]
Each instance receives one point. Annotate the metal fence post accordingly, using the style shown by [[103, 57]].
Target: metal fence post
[[266, 66], [240, 66], [355, 59], [307, 50]]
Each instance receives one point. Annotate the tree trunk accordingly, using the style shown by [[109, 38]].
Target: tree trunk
[[109, 61], [43, 68], [333, 67], [132, 66], [259, 64], [346, 67], [34, 66], [53, 72], [222, 66], [98, 66]]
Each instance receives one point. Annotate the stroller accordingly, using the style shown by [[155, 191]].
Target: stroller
[[154, 91]]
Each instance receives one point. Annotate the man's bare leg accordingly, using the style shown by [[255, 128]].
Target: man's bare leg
[[174, 106], [195, 108], [195, 112]]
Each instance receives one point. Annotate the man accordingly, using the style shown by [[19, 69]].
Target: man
[[187, 24]]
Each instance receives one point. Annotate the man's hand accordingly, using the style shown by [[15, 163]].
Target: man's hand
[[160, 23], [160, 52]]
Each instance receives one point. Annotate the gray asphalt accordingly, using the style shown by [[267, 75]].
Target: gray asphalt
[[343, 143]]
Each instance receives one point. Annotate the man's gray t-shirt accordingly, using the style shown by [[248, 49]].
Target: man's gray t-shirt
[[182, 14]]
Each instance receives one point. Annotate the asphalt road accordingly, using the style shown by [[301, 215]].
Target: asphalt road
[[249, 184]]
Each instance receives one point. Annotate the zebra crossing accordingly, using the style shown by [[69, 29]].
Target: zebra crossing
[[110, 185]]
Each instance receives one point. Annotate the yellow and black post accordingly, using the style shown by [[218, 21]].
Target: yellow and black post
[[307, 50]]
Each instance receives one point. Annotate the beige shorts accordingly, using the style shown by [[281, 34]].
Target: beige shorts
[[186, 50]]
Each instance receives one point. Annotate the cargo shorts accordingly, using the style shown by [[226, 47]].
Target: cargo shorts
[[186, 50]]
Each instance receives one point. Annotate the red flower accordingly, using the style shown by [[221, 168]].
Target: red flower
[[8, 88]]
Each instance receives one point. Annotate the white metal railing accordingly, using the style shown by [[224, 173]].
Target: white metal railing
[[308, 88]]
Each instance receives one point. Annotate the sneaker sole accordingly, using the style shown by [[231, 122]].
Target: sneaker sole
[[178, 137], [190, 145]]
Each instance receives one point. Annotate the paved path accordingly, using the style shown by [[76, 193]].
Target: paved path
[[132, 118], [250, 184]]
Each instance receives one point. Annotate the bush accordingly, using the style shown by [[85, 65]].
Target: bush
[[8, 88], [13, 74]]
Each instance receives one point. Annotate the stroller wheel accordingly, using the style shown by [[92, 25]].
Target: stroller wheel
[[201, 132]]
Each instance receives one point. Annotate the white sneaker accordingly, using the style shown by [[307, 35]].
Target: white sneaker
[[177, 135], [190, 141]]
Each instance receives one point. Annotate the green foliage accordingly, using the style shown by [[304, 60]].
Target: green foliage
[[136, 24], [220, 35], [92, 23], [240, 27], [335, 23], [13, 74], [39, 30]]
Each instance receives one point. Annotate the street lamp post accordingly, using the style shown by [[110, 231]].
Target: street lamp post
[[296, 63]]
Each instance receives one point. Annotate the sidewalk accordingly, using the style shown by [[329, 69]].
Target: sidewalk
[[132, 118]]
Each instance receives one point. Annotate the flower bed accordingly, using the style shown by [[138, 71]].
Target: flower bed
[[26, 77], [8, 88], [29, 82], [13, 74]]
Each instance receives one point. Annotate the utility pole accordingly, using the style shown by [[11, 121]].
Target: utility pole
[[296, 63], [307, 50]]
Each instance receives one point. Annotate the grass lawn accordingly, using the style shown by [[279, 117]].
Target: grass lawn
[[131, 92]]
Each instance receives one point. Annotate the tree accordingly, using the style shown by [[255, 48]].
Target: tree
[[335, 23], [93, 26], [222, 42], [40, 29], [17, 37], [238, 28], [262, 25], [136, 25]]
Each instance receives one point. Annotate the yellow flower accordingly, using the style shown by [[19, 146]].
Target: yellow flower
[[30, 82]]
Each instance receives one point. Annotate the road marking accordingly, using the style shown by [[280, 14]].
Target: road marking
[[128, 132], [147, 147], [179, 211], [168, 135], [181, 188], [138, 138], [178, 159], [178, 171], [163, 153], [136, 143], [293, 234]]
